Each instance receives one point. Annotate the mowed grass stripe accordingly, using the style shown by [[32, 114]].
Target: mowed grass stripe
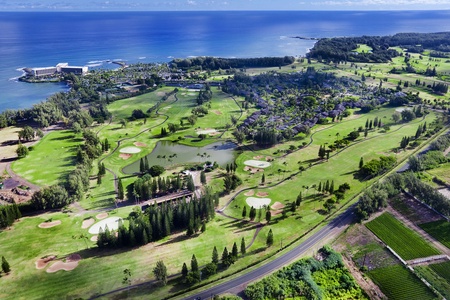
[[396, 282], [404, 241], [440, 230]]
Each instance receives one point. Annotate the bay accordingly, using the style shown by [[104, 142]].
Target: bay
[[39, 39]]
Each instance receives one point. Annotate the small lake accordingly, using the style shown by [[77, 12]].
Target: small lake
[[167, 154]]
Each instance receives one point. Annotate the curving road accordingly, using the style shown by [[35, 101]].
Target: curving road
[[237, 285]]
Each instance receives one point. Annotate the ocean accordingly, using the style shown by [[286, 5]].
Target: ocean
[[40, 39]]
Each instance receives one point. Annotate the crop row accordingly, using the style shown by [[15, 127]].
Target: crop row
[[404, 241], [442, 270], [440, 230], [396, 282]]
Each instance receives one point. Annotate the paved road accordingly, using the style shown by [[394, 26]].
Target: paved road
[[238, 284]]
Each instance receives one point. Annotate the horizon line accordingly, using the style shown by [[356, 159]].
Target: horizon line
[[228, 10]]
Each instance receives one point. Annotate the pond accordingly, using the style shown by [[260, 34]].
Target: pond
[[167, 154]]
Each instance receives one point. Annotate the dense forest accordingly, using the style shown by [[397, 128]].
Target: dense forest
[[343, 48], [215, 63]]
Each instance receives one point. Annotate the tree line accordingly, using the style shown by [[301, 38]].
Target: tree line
[[375, 198], [8, 214], [158, 221], [343, 48], [216, 63]]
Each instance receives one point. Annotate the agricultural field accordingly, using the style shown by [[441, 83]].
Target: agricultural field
[[402, 240], [438, 276], [440, 230], [397, 282]]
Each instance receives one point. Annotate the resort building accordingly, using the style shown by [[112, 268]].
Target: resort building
[[63, 68]]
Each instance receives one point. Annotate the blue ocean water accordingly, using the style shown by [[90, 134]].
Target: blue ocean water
[[39, 39]]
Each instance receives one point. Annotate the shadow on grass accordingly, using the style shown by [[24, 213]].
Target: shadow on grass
[[62, 138]]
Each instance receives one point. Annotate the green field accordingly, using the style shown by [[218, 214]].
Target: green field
[[397, 283], [440, 230], [51, 159], [442, 269], [438, 275], [402, 240]]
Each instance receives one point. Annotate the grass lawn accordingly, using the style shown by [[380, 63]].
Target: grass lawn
[[396, 282], [440, 230], [402, 240], [363, 48], [51, 160], [101, 271]]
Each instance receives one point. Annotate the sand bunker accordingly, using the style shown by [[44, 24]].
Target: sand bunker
[[206, 131], [400, 109], [257, 163], [94, 238], [258, 157], [41, 263], [130, 150], [278, 205], [250, 193], [269, 158], [125, 156], [70, 264], [218, 112], [139, 144], [262, 194], [111, 222], [87, 223], [101, 216], [49, 224], [258, 202]]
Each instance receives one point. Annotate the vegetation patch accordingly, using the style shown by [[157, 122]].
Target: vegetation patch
[[402, 240], [440, 230], [397, 282], [442, 269], [322, 277]]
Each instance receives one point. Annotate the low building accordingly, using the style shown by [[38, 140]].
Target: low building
[[61, 68]]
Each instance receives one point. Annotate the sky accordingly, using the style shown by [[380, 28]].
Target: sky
[[179, 5]]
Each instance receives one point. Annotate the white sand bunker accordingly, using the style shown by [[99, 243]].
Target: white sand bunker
[[400, 109], [257, 163], [111, 222], [130, 150], [206, 131], [258, 202]]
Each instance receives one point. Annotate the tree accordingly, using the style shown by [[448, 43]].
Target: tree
[[234, 252], [184, 271], [155, 170], [263, 179], [215, 256], [268, 216], [269, 240], [203, 177], [252, 213], [26, 134], [22, 151], [243, 248], [160, 272], [194, 264], [120, 192], [190, 183], [226, 261], [299, 198], [361, 162], [5, 265], [244, 212], [396, 116]]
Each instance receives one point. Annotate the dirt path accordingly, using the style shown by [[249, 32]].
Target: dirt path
[[364, 282], [420, 231]]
